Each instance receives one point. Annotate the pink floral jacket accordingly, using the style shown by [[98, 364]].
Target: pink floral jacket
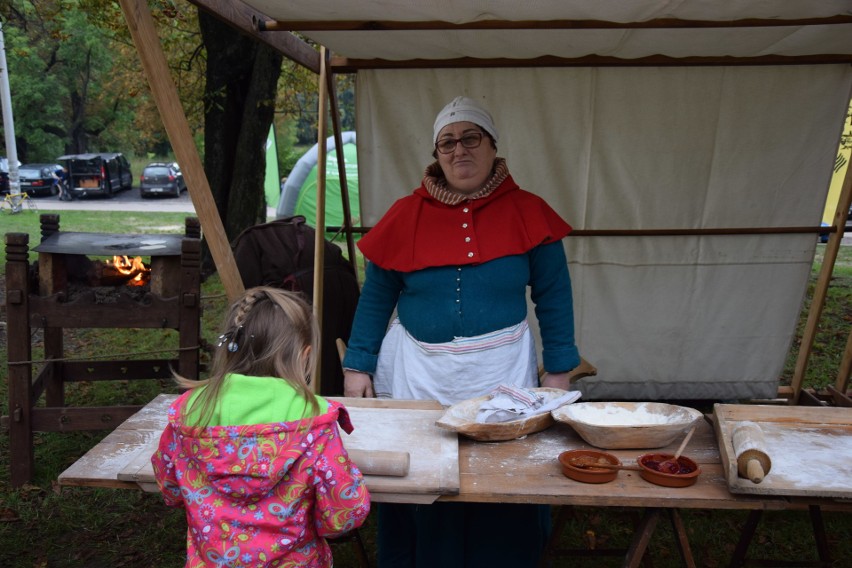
[[261, 495]]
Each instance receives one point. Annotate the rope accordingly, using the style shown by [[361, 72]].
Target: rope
[[111, 355]]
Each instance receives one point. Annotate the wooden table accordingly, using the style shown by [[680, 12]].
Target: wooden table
[[123, 458], [517, 471]]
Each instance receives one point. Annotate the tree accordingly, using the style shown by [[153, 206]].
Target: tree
[[39, 109], [77, 83], [239, 105], [68, 90]]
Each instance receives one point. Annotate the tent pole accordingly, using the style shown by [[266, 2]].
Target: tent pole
[[319, 239], [821, 290], [150, 51], [341, 172], [845, 370]]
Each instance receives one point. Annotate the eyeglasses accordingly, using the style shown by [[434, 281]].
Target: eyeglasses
[[469, 141]]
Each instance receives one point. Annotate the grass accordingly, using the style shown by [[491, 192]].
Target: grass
[[834, 324], [43, 526]]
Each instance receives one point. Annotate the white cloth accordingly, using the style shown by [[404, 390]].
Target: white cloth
[[513, 403], [461, 369]]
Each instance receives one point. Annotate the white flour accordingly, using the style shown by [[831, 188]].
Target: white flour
[[617, 415], [808, 458]]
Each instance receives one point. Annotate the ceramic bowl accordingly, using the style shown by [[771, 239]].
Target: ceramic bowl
[[461, 418], [588, 474], [623, 425], [684, 474]]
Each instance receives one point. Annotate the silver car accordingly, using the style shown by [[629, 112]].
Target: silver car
[[161, 178]]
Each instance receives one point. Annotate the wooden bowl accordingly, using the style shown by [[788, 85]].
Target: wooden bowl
[[622, 425], [461, 418], [686, 475], [588, 474]]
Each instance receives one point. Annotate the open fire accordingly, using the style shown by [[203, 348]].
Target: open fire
[[124, 270]]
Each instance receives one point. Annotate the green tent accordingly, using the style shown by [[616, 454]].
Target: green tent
[[272, 183], [299, 194]]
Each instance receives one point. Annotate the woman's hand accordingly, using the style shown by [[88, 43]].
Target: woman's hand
[[557, 380], [358, 385], [564, 380]]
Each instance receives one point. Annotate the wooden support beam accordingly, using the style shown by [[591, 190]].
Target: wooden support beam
[[821, 289], [19, 353], [655, 24], [165, 93], [839, 398], [349, 65], [697, 232], [243, 17], [341, 173], [319, 238], [842, 382]]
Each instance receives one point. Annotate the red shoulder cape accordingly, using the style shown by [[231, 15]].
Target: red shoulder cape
[[420, 232]]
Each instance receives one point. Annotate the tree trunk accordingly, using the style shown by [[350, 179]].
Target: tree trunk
[[242, 80]]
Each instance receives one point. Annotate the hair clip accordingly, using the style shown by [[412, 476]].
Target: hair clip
[[231, 337]]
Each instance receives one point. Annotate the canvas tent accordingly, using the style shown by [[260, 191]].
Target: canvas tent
[[690, 144], [299, 193]]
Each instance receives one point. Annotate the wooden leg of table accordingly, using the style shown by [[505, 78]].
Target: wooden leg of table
[[738, 559], [641, 537], [361, 550], [808, 398], [840, 398], [562, 517], [682, 539], [354, 537], [819, 534]]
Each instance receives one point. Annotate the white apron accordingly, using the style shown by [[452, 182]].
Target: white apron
[[464, 368]]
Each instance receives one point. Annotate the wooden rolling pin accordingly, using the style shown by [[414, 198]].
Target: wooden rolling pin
[[381, 462], [753, 460]]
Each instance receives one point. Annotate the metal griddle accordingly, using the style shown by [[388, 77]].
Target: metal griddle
[[105, 244]]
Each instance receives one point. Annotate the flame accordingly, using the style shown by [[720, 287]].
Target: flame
[[132, 267]]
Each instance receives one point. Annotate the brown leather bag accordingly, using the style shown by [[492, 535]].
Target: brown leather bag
[[280, 253]]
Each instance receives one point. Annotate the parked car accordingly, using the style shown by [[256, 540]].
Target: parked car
[[38, 179], [161, 178], [97, 174], [4, 176]]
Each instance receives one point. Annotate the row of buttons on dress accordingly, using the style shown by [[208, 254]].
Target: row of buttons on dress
[[470, 254], [465, 226], [458, 287]]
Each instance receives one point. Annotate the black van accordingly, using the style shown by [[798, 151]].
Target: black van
[[97, 174]]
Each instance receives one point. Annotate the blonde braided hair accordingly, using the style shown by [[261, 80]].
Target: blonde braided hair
[[268, 332]]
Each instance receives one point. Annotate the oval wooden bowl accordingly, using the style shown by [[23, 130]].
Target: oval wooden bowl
[[588, 474], [643, 424], [461, 418], [689, 470]]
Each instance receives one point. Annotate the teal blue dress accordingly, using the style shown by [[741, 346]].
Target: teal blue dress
[[462, 535], [440, 292]]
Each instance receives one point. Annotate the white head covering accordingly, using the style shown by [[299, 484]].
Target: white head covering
[[464, 109]]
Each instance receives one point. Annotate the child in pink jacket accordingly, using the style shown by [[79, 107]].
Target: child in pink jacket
[[252, 454]]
